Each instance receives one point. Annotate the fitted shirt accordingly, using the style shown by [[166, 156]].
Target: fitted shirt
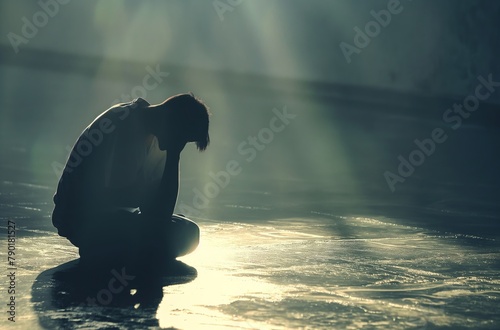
[[116, 162]]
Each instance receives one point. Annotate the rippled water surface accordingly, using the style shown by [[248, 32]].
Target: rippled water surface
[[316, 270]]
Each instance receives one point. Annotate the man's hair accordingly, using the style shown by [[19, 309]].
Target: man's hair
[[191, 112]]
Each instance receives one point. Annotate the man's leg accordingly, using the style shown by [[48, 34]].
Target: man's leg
[[185, 236], [128, 237], [169, 239], [110, 237]]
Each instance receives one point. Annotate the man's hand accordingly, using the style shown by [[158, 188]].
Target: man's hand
[[174, 140]]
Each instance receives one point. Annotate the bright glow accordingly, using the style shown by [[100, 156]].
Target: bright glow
[[221, 280]]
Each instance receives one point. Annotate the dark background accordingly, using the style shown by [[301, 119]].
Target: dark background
[[353, 119]]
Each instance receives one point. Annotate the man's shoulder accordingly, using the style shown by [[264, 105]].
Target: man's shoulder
[[118, 113]]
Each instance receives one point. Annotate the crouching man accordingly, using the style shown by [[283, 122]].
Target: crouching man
[[116, 196]]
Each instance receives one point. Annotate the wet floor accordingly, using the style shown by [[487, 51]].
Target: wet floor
[[326, 200], [315, 270], [308, 236]]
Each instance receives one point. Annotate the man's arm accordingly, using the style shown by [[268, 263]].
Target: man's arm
[[163, 203], [169, 186]]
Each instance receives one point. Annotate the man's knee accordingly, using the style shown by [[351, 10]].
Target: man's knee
[[188, 226], [187, 234]]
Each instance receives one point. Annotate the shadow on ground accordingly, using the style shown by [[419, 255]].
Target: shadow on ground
[[71, 296]]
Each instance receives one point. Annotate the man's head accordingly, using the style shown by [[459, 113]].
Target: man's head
[[185, 119]]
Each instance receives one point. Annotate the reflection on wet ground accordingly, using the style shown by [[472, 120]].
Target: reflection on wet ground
[[315, 270], [73, 296]]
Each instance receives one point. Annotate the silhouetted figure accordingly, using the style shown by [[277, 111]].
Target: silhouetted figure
[[116, 196]]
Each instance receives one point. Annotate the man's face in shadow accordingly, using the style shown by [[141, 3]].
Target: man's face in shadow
[[174, 133]]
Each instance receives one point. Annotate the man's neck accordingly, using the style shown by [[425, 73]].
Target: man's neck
[[154, 116]]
